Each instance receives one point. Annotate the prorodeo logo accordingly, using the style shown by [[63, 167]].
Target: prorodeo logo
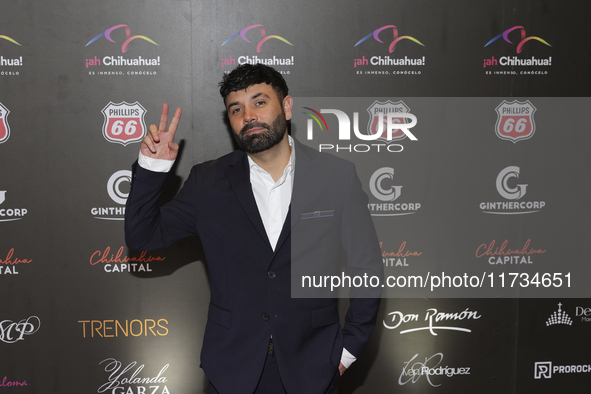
[[545, 369], [387, 124], [522, 41], [395, 38], [129, 37], [11, 332], [431, 367], [264, 37], [515, 120], [508, 188], [4, 127], [117, 194], [124, 122], [432, 315], [559, 317], [382, 188]]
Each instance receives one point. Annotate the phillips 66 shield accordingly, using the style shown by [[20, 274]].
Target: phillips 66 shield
[[378, 119], [4, 128], [515, 120], [124, 122]]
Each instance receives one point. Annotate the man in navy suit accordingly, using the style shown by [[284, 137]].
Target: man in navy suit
[[258, 211]]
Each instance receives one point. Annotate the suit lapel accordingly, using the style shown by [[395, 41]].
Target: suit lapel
[[238, 175]]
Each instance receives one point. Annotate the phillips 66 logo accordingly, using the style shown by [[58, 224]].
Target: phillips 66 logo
[[124, 123], [515, 120], [4, 128], [378, 119]]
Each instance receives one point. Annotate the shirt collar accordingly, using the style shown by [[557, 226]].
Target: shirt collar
[[288, 169]]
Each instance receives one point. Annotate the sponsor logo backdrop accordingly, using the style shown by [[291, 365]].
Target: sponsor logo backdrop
[[496, 183]]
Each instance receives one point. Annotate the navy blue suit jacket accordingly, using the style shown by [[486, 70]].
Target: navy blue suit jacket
[[250, 283]]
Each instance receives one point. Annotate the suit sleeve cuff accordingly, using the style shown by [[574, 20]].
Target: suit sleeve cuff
[[156, 165], [347, 358]]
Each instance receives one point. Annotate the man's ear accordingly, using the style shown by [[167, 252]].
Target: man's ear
[[287, 104]]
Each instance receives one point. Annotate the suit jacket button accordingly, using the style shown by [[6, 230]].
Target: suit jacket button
[[265, 316], [271, 274]]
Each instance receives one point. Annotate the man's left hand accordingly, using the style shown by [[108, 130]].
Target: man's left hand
[[342, 369]]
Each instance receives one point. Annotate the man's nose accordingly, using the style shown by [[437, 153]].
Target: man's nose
[[249, 115]]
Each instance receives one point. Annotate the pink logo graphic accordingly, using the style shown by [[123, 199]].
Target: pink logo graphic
[[378, 119], [396, 39], [515, 120], [11, 40], [524, 39], [130, 38], [4, 128], [264, 38], [124, 123]]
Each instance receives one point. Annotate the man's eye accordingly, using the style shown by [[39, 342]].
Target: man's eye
[[235, 111], [259, 103]]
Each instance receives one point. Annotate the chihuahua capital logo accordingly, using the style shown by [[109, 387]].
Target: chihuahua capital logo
[[522, 41], [264, 37], [10, 39], [4, 128], [129, 37], [396, 39]]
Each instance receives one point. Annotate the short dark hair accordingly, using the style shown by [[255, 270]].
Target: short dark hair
[[246, 75]]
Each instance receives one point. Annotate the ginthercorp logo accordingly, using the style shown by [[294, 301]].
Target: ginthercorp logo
[[129, 38], [9, 214], [260, 41], [124, 122], [118, 189], [545, 369], [132, 378], [515, 120], [4, 127], [431, 368], [508, 187], [12, 332], [511, 61], [559, 317], [387, 123], [383, 189], [432, 316]]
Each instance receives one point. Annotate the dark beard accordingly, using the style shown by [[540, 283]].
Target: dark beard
[[263, 140]]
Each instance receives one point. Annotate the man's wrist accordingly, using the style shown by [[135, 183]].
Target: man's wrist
[[347, 358], [156, 165]]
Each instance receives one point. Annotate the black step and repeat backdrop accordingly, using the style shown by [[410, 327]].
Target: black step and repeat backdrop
[[482, 206]]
